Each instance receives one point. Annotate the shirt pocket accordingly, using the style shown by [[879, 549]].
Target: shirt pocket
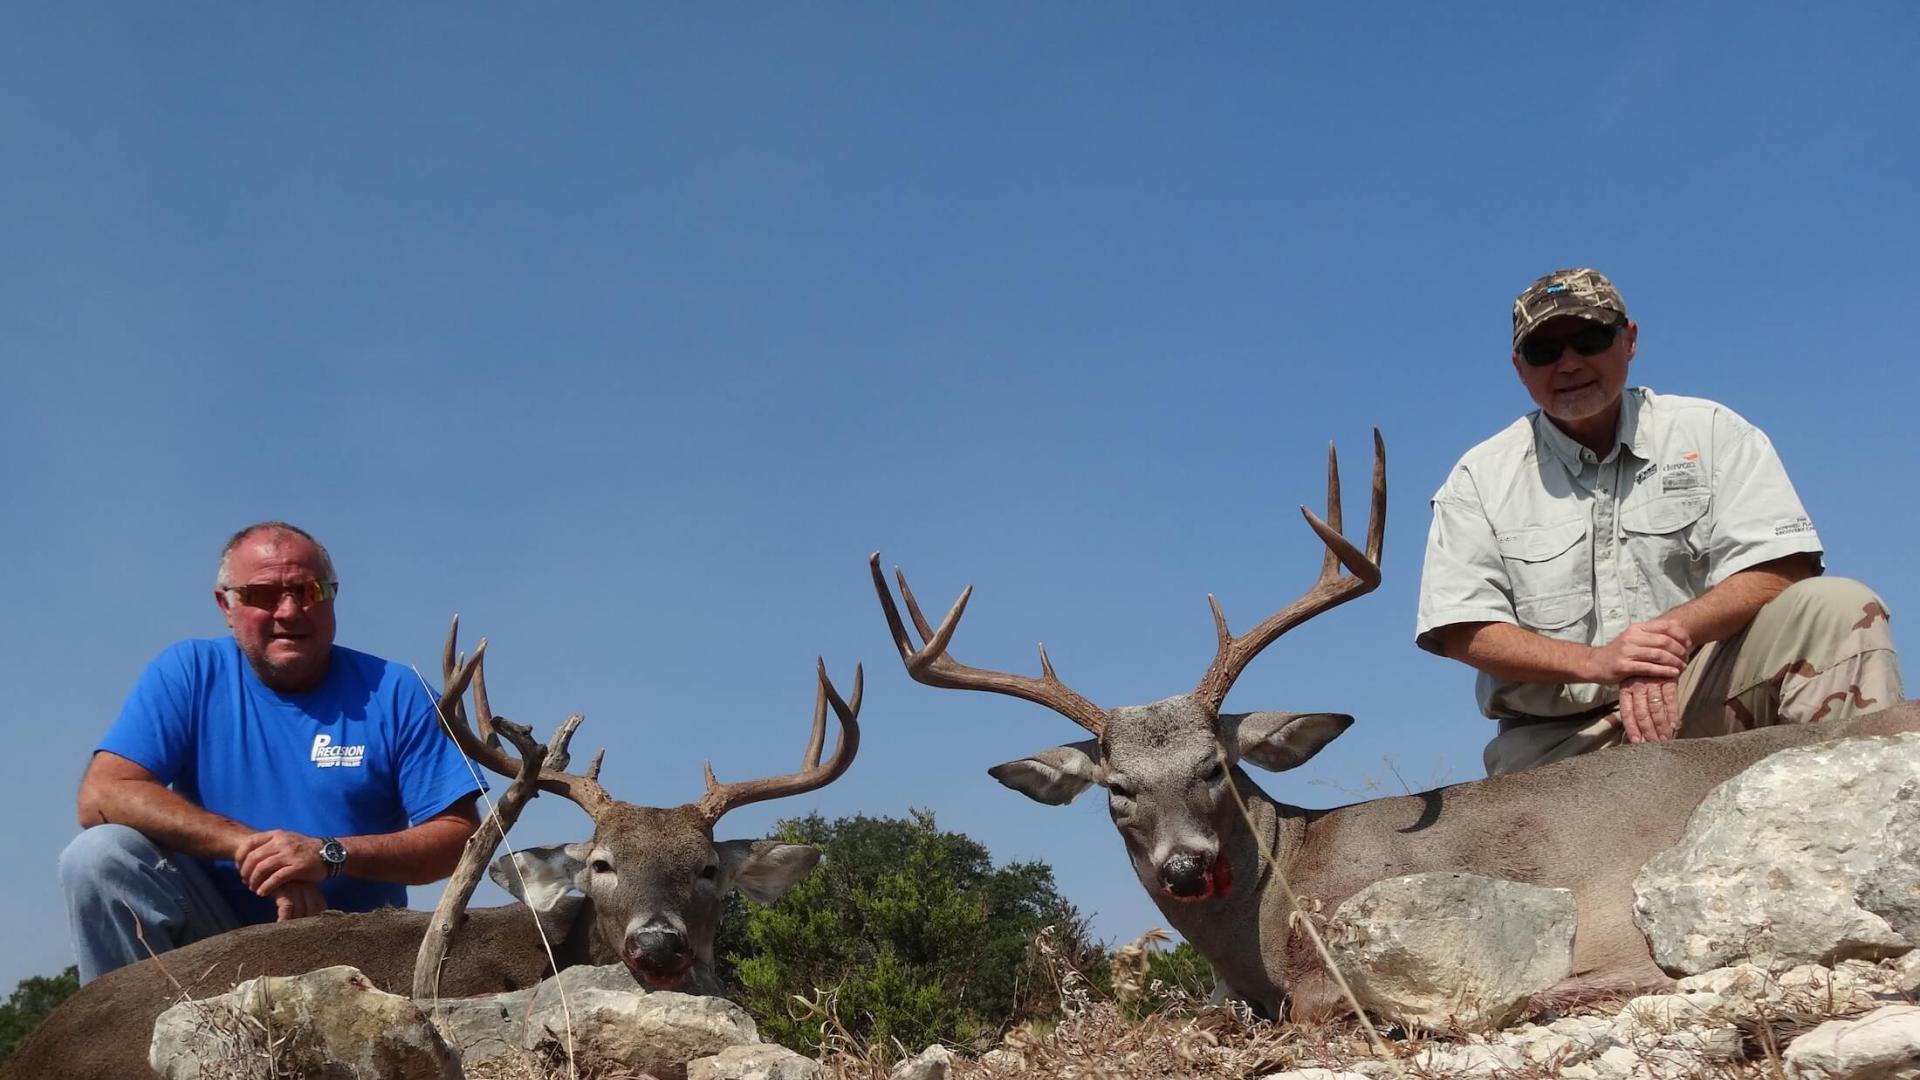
[[1551, 571], [1658, 535]]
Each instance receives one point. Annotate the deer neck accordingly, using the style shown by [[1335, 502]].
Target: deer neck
[[1231, 930]]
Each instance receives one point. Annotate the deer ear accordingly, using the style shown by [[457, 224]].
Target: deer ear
[[544, 879], [763, 870], [1055, 777], [1279, 741]]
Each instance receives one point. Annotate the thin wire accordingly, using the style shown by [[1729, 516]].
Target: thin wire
[[566, 1007]]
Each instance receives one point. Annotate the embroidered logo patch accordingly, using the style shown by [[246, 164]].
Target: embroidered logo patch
[[1682, 475], [328, 756]]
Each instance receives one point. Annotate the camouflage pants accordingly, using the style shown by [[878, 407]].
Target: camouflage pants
[[1821, 650]]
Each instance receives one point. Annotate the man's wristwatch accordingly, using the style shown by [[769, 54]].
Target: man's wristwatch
[[334, 855]]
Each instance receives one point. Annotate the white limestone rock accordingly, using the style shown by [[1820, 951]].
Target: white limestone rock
[[330, 1022], [933, 1063], [761, 1061], [1882, 1045], [658, 1032], [1475, 1061], [1444, 950], [1777, 863], [494, 1027]]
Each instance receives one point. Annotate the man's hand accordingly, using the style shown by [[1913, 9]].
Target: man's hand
[[272, 861], [297, 901], [1650, 709], [1655, 649]]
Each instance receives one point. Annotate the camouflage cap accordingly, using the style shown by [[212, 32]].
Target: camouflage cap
[[1581, 291]]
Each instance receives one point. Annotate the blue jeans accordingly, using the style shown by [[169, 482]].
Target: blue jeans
[[128, 898]]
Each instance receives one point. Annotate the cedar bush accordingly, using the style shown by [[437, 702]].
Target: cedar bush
[[905, 936], [30, 1002]]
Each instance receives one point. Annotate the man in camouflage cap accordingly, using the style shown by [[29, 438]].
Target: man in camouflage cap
[[1625, 566]]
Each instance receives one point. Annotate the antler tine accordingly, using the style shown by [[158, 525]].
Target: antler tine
[[457, 673], [1377, 523], [913, 606], [583, 791], [455, 670], [817, 741], [720, 798], [1329, 562], [933, 665], [482, 710], [1331, 590]]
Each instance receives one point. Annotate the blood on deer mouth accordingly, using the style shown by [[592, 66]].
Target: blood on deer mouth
[[660, 980]]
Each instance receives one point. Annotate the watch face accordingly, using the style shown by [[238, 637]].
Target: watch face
[[332, 852]]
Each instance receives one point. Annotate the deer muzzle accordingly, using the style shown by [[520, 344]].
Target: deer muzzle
[[1192, 877], [658, 956]]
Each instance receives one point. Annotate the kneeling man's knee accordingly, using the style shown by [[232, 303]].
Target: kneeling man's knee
[[1829, 608], [101, 848]]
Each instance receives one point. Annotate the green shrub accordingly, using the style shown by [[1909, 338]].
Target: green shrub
[[30, 1002], [906, 934]]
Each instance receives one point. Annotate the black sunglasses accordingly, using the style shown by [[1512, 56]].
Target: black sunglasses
[[1593, 339], [305, 594]]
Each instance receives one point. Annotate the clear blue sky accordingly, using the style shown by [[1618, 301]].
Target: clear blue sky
[[627, 333]]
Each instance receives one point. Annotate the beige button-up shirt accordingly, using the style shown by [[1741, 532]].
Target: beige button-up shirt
[[1534, 529]]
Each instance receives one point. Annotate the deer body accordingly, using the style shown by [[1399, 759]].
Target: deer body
[[1587, 824], [1175, 785]]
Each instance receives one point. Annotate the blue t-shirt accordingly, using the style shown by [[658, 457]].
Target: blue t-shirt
[[361, 753]]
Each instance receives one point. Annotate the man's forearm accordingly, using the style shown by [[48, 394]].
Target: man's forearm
[[422, 854], [163, 816], [1517, 654], [1728, 607]]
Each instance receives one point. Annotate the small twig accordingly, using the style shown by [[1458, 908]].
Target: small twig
[[140, 935]]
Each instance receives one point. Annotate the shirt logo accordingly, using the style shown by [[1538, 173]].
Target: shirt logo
[[1682, 475], [328, 756]]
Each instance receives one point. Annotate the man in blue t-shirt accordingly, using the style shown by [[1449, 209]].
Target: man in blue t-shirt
[[265, 776]]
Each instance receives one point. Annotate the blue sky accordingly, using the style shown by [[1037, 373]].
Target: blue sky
[[628, 332]]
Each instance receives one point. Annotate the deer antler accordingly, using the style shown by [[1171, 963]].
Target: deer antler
[[476, 854], [932, 665], [583, 790], [720, 798], [1332, 590]]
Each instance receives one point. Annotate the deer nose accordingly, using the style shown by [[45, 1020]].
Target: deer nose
[[1185, 875], [657, 949]]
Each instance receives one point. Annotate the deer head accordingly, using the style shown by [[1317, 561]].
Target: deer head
[[650, 881], [1166, 766]]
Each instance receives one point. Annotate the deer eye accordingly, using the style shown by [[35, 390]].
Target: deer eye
[[1214, 772], [602, 866], [1120, 791], [710, 871]]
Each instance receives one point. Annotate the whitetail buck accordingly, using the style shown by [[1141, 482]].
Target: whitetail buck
[[650, 885], [1587, 824]]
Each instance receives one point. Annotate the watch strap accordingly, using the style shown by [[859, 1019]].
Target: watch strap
[[334, 855]]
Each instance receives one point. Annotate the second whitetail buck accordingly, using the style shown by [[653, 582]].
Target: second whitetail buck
[[1171, 769], [646, 891]]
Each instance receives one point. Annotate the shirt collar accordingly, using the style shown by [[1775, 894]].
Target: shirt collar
[[1630, 434]]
